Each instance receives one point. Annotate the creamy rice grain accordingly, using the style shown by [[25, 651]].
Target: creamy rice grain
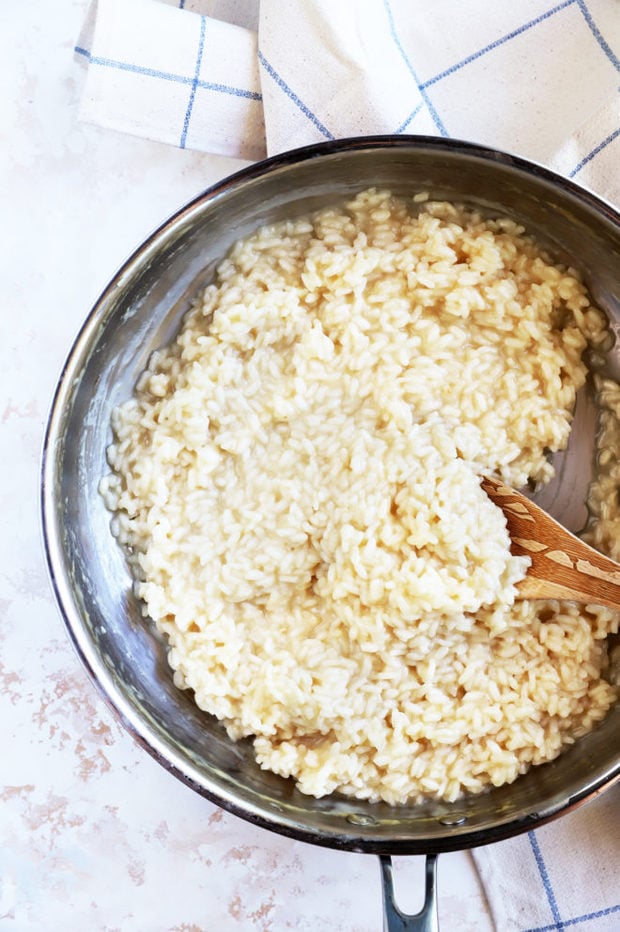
[[296, 482]]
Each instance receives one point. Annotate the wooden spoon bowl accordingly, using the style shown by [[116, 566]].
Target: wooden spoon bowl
[[563, 566]]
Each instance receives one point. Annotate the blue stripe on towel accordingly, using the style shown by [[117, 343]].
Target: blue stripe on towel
[[431, 109], [293, 97], [544, 876], [139, 69], [412, 116], [168, 76], [588, 158], [192, 96], [498, 42], [587, 917], [583, 6]]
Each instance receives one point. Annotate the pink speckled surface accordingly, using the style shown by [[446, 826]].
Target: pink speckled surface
[[94, 835]]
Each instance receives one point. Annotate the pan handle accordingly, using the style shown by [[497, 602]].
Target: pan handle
[[395, 921]]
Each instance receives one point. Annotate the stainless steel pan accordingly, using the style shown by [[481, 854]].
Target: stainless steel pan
[[140, 310]]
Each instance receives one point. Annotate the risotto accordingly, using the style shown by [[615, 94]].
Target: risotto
[[297, 485]]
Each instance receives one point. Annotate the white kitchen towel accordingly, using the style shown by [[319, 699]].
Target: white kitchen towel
[[533, 77], [537, 78], [173, 75], [563, 876]]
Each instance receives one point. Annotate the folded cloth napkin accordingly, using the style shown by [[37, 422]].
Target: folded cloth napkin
[[538, 77], [173, 75], [563, 876], [237, 78]]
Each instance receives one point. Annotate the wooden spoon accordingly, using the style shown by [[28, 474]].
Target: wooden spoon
[[563, 567]]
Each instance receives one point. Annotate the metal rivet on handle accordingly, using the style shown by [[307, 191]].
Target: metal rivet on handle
[[453, 820]]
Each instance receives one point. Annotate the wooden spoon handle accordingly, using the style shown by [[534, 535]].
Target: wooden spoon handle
[[563, 567]]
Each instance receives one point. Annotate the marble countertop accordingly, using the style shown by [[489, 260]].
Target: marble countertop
[[93, 833]]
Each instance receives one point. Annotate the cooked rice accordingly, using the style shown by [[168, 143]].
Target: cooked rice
[[297, 484]]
